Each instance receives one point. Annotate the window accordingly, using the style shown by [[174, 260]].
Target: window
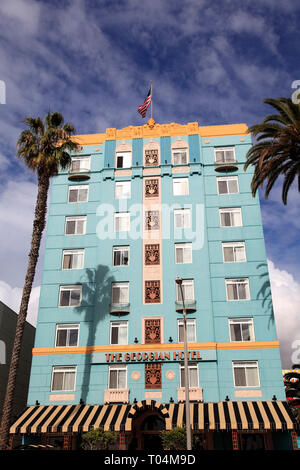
[[119, 332], [224, 155], [183, 253], [66, 335], [237, 289], [231, 217], [120, 255], [63, 379], [117, 376], [193, 375], [180, 186], [122, 222], [246, 374], [75, 225], [78, 193], [179, 156], [190, 330], [234, 252], [182, 218], [241, 329], [80, 164], [187, 289], [120, 293], [228, 185], [70, 296], [73, 259], [123, 159], [122, 189]]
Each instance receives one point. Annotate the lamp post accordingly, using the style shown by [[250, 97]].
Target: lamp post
[[186, 372]]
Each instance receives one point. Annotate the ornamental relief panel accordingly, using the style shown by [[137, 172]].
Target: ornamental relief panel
[[152, 292], [152, 220], [151, 188], [151, 157], [152, 331], [153, 375], [152, 256]]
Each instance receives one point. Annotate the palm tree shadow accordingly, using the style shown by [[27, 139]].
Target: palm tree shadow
[[96, 298], [265, 291]]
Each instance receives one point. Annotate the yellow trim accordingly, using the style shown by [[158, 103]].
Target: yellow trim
[[160, 130], [155, 347]]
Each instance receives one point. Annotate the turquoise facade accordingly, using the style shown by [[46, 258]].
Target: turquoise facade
[[208, 270]]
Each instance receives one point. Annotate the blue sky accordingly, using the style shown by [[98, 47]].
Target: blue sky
[[212, 62]]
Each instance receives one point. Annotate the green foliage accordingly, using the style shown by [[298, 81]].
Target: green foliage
[[97, 439], [175, 439], [277, 151]]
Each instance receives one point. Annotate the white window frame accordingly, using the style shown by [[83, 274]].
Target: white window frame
[[121, 248], [127, 159], [70, 288], [245, 364], [122, 194], [64, 369], [118, 325], [68, 327], [193, 366], [77, 218], [231, 210], [119, 285], [186, 214], [227, 179], [189, 322], [234, 245], [180, 151], [244, 280], [79, 252], [224, 150], [118, 367], [185, 247], [78, 188], [84, 166], [240, 321], [185, 282], [122, 215], [181, 187]]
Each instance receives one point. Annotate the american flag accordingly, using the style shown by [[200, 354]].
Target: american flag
[[143, 108]]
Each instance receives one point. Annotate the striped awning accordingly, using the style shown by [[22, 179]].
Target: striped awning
[[250, 415]]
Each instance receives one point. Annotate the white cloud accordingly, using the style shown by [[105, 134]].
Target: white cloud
[[286, 302], [11, 296]]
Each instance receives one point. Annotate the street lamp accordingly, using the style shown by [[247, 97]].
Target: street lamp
[[186, 372]]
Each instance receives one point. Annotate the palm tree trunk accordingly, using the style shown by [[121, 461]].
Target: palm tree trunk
[[38, 227]]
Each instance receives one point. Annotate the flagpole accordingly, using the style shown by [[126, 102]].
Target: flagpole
[[151, 99]]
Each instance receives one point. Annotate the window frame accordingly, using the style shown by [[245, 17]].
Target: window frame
[[247, 284], [78, 187], [117, 248], [248, 320], [75, 218], [113, 324], [185, 182], [181, 150], [74, 251], [124, 154], [120, 183], [234, 245], [180, 323], [235, 366], [122, 215], [191, 365], [226, 178], [63, 369], [224, 149], [68, 327], [81, 158], [117, 284], [117, 367], [230, 210], [176, 211], [70, 287], [183, 246], [178, 291]]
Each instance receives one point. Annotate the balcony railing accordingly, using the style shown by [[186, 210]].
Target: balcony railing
[[79, 173], [230, 165], [196, 394], [116, 395], [190, 306], [119, 308]]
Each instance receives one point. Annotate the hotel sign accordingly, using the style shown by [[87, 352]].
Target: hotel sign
[[152, 356]]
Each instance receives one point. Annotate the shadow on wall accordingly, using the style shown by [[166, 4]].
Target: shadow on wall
[[96, 299], [265, 291]]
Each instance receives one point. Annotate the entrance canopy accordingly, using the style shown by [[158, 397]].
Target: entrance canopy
[[240, 415]]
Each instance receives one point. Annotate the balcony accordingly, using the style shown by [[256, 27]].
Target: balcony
[[226, 166], [119, 309], [196, 394], [190, 306], [79, 173], [116, 395]]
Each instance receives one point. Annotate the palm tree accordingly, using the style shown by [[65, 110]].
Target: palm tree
[[277, 151], [44, 147]]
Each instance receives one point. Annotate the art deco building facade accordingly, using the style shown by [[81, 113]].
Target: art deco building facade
[[139, 207]]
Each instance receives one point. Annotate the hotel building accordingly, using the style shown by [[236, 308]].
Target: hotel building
[[139, 207]]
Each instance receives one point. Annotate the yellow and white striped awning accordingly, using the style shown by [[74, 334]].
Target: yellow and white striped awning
[[227, 415]]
